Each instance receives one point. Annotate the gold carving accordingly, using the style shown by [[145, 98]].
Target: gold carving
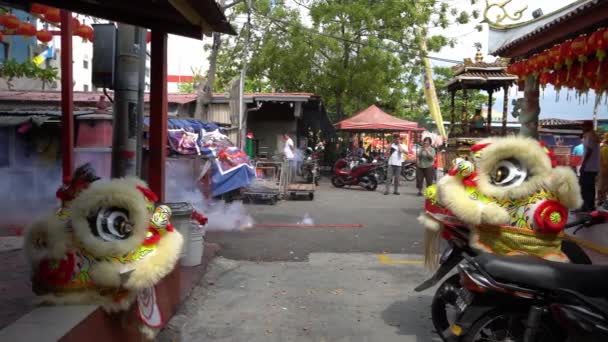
[[504, 13]]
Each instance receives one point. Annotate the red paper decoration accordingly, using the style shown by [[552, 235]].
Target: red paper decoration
[[555, 57], [44, 36], [53, 15], [26, 29], [85, 32], [9, 21], [39, 9], [75, 23]]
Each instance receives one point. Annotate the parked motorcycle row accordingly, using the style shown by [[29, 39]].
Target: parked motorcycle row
[[351, 170], [519, 298]]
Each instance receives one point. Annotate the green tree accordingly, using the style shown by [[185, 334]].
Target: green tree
[[354, 54]]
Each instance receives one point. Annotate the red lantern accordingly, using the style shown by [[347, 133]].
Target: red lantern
[[590, 70], [53, 15], [26, 29], [85, 32], [532, 65], [543, 60], [38, 9], [598, 42], [44, 36], [9, 21], [567, 55], [544, 78], [75, 23], [580, 48], [555, 57]]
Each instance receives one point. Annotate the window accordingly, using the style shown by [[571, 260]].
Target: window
[[86, 87], [85, 64]]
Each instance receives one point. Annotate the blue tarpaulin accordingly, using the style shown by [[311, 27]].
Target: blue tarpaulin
[[231, 169]]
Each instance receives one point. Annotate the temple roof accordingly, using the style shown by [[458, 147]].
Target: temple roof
[[521, 39], [480, 75]]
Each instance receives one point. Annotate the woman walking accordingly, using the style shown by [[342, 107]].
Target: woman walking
[[424, 165]]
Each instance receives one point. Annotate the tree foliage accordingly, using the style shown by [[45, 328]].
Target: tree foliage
[[352, 52], [11, 69]]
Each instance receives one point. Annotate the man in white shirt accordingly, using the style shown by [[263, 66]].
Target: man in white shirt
[[394, 165], [289, 152]]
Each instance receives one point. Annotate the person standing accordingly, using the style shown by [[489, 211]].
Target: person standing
[[290, 156], [394, 165], [602, 191], [424, 165], [590, 166]]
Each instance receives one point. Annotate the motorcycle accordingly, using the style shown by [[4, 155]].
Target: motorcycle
[[381, 171], [511, 298], [309, 169], [408, 171], [450, 298], [363, 175]]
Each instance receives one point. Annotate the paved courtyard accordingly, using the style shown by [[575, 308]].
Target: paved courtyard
[[353, 283]]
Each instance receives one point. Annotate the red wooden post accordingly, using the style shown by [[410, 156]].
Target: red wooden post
[[158, 113], [67, 92]]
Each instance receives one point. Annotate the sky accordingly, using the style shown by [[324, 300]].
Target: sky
[[185, 53]]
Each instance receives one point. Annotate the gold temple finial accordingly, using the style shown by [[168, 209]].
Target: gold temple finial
[[478, 54]]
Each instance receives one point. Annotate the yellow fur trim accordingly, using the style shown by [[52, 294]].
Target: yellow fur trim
[[564, 183], [87, 297], [105, 274], [429, 222], [526, 150], [432, 245], [155, 266], [148, 332], [121, 193], [46, 238], [453, 196]]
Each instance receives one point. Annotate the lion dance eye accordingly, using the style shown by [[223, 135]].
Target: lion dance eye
[[509, 172], [111, 224]]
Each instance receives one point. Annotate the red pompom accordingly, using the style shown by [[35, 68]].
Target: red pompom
[[149, 194]]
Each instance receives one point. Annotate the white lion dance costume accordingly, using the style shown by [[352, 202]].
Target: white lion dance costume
[[511, 195], [108, 245]]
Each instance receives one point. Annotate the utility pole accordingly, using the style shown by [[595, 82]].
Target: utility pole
[[124, 144], [141, 87]]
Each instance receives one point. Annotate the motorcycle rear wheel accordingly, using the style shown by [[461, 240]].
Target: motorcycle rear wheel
[[337, 182], [372, 185], [409, 173], [506, 326]]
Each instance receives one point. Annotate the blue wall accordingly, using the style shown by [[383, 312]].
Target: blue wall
[[21, 49]]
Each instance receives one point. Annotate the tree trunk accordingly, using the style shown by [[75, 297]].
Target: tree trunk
[[530, 109], [205, 88]]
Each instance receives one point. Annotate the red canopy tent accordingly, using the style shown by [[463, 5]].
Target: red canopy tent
[[375, 119]]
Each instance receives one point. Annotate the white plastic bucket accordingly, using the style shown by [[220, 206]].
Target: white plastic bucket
[[193, 247], [181, 213]]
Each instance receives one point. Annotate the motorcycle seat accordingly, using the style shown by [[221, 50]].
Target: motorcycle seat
[[540, 274]]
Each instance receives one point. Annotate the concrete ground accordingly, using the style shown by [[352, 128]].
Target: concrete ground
[[316, 284]]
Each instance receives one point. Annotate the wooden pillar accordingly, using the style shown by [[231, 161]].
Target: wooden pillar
[[465, 114], [530, 109], [67, 97], [489, 124], [453, 113], [505, 109], [158, 113]]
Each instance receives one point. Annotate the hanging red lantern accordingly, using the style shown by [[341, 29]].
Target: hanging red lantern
[[580, 48], [9, 21], [590, 69], [44, 36], [544, 78], [75, 23], [53, 15], [38, 10], [555, 57], [26, 29], [598, 42], [85, 32], [532, 65], [543, 60], [567, 55]]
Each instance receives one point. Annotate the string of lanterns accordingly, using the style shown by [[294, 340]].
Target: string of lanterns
[[13, 26], [576, 63]]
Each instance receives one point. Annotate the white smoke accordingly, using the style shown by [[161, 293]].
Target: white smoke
[[307, 220], [181, 186]]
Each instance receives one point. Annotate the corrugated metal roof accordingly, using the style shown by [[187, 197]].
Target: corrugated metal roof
[[503, 38], [92, 98]]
